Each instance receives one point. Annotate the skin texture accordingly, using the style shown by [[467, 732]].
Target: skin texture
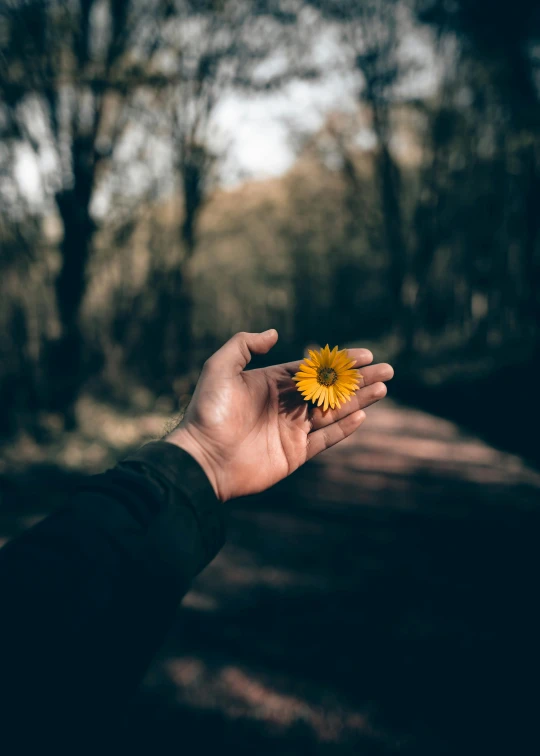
[[250, 429]]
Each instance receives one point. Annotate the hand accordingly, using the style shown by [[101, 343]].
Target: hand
[[250, 429]]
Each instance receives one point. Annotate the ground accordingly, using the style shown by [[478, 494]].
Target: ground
[[382, 600]]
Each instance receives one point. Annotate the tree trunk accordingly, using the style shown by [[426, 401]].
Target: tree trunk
[[531, 263], [66, 353], [178, 355], [389, 188]]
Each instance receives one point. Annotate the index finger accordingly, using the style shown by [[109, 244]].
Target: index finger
[[361, 357]]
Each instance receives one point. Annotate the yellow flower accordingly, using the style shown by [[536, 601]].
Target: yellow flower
[[327, 378]]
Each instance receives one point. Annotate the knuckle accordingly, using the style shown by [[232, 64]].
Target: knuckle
[[241, 340], [380, 390], [365, 356]]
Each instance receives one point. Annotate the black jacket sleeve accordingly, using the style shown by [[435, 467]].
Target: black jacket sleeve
[[88, 594]]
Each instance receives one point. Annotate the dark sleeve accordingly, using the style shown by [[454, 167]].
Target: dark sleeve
[[88, 594]]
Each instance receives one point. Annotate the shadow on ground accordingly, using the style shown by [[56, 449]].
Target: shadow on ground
[[380, 601]]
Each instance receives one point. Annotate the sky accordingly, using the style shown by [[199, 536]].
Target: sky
[[258, 130], [258, 135], [261, 131]]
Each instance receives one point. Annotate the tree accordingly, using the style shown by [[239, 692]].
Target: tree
[[80, 80], [495, 64], [370, 34], [69, 74], [215, 49]]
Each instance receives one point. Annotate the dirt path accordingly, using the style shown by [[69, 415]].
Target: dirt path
[[382, 600]]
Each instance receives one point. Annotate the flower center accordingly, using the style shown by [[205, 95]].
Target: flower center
[[326, 376]]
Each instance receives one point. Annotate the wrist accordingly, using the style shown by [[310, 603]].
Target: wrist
[[186, 439]]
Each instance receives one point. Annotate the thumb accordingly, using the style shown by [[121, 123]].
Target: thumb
[[233, 356]]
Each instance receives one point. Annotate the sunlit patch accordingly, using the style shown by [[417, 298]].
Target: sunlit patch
[[201, 602], [240, 694]]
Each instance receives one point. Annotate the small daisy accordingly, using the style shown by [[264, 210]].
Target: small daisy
[[327, 378]]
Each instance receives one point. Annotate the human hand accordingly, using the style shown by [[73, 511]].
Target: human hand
[[249, 429]]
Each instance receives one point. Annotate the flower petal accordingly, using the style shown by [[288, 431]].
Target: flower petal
[[332, 397]]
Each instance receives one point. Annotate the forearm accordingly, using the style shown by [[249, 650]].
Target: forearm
[[89, 594]]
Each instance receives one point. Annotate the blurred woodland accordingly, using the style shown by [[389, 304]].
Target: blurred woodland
[[130, 262], [380, 601]]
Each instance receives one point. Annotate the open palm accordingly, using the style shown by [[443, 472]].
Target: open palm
[[249, 429]]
